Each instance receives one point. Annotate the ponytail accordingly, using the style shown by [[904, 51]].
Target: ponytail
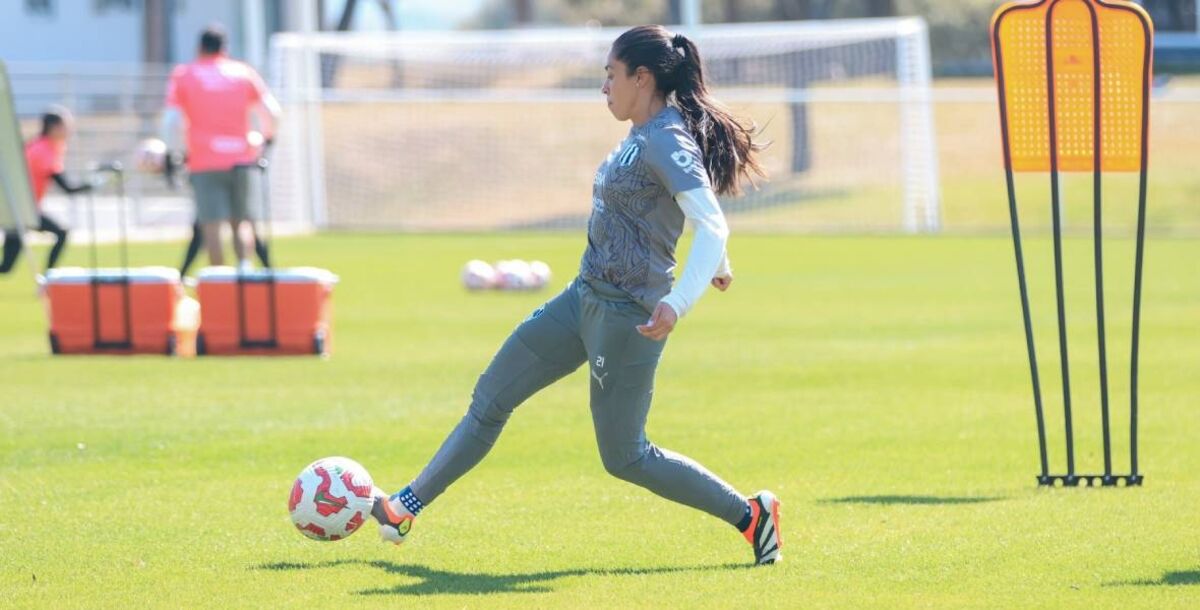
[[730, 152]]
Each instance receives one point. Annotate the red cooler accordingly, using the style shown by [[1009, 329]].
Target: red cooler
[[265, 311], [117, 311]]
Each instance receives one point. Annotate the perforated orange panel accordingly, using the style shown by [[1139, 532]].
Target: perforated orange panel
[[1122, 32]]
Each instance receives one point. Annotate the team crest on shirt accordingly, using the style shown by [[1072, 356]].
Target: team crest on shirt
[[629, 155]]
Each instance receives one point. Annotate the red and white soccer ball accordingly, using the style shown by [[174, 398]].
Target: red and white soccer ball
[[509, 274], [331, 498], [478, 275], [541, 274], [150, 155], [513, 274]]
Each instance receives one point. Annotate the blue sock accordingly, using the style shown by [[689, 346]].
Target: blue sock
[[409, 500], [745, 522]]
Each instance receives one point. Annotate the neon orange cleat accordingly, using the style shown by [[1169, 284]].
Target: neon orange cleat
[[763, 531], [395, 521]]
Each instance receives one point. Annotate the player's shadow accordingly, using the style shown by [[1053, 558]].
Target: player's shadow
[[431, 581], [911, 500], [1168, 579]]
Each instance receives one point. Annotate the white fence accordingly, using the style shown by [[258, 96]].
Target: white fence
[[858, 188]]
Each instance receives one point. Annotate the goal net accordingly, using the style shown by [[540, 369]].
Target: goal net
[[504, 129]]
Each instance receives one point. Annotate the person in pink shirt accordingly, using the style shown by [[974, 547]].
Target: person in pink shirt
[[45, 157], [214, 99]]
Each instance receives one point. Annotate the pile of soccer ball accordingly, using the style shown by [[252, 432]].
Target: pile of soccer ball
[[505, 275]]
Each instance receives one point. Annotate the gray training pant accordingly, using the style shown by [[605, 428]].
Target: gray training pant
[[592, 322]]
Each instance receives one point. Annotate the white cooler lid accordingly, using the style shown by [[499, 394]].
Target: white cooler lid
[[297, 275], [136, 275]]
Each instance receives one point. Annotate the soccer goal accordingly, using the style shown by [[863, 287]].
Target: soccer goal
[[420, 131]]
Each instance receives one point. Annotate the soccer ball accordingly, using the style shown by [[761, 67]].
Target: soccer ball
[[150, 155], [331, 498], [541, 274], [509, 274], [478, 275], [513, 274]]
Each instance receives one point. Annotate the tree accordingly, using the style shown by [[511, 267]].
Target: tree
[[156, 31], [329, 62], [674, 11], [787, 10], [156, 49], [1172, 14], [523, 11], [881, 8], [733, 13]]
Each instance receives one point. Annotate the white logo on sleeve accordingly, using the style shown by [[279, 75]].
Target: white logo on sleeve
[[682, 158]]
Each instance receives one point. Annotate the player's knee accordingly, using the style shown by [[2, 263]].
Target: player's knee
[[486, 417], [624, 465], [616, 467]]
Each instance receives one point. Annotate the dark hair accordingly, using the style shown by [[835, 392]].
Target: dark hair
[[730, 151], [212, 39], [53, 117]]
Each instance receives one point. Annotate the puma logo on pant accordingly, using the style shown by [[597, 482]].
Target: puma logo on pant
[[599, 378]]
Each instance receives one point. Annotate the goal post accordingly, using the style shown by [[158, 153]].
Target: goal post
[[492, 130]]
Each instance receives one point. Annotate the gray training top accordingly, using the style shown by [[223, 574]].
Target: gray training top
[[635, 221]]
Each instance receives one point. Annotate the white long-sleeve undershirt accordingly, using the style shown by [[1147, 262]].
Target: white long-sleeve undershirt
[[707, 258], [170, 129]]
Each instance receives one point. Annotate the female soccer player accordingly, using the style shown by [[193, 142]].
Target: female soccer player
[[682, 147], [45, 157]]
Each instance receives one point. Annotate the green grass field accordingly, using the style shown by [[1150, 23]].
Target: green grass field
[[878, 385]]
